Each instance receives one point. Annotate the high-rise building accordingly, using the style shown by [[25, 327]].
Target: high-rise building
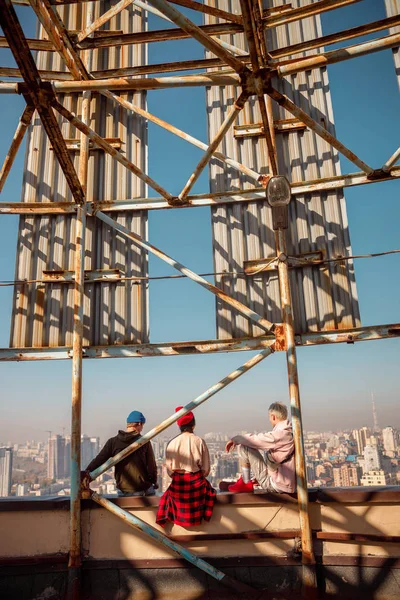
[[89, 449], [372, 458], [67, 456], [389, 436], [376, 477], [56, 457], [346, 475], [361, 436], [6, 457]]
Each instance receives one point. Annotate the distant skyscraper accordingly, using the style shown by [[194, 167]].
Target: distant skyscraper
[[90, 447], [389, 441], [56, 457], [6, 457], [372, 459], [375, 417], [361, 436], [346, 475]]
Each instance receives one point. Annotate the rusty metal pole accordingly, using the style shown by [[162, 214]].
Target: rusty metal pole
[[75, 560], [308, 559]]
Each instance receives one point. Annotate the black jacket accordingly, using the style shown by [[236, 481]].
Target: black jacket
[[135, 473]]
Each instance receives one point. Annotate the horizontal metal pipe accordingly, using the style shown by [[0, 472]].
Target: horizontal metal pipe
[[250, 195], [155, 83], [296, 111], [133, 521], [335, 56], [210, 10], [333, 38], [177, 415], [345, 336], [357, 537], [241, 308], [308, 10], [8, 88]]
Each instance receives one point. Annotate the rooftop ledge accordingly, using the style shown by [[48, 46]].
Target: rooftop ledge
[[350, 495]]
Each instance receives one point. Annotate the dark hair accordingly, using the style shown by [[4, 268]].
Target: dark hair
[[188, 426]]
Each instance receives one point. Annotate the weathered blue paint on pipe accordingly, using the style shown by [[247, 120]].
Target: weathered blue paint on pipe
[[191, 406], [244, 310], [137, 523]]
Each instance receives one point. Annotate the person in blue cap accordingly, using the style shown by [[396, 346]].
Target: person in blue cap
[[135, 475]]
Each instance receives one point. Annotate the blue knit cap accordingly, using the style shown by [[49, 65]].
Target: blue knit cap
[[136, 417]]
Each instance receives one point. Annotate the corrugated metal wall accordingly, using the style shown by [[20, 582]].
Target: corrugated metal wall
[[114, 313], [392, 9], [325, 297]]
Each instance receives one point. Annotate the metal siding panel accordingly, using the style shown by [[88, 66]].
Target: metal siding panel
[[392, 9], [114, 313], [324, 297]]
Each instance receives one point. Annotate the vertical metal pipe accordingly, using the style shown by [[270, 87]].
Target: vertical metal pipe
[[226, 125], [75, 529], [77, 347], [295, 407]]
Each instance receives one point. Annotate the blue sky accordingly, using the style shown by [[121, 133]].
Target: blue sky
[[336, 381]]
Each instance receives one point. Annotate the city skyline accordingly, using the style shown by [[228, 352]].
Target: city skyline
[[353, 457]]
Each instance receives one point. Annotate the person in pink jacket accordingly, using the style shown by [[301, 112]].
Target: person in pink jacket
[[275, 471]]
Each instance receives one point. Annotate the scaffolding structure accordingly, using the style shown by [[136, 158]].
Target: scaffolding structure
[[254, 74]]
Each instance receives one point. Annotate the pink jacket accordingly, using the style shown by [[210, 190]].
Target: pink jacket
[[280, 443]]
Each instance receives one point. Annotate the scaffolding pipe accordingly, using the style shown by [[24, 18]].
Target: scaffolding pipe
[[177, 415], [75, 560], [112, 12], [102, 143], [295, 407], [151, 83], [219, 136], [182, 134], [334, 56], [23, 125], [392, 161], [241, 308], [195, 32], [133, 521], [296, 111]]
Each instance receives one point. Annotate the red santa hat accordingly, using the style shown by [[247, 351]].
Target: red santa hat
[[185, 419]]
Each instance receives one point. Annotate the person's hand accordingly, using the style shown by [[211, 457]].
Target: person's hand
[[230, 446], [85, 480]]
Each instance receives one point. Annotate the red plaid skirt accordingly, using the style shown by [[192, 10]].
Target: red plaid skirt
[[189, 499]]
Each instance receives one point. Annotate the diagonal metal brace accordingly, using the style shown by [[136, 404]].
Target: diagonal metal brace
[[239, 306], [38, 94], [177, 415]]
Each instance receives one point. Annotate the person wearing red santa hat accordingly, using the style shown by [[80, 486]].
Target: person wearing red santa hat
[[190, 497]]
